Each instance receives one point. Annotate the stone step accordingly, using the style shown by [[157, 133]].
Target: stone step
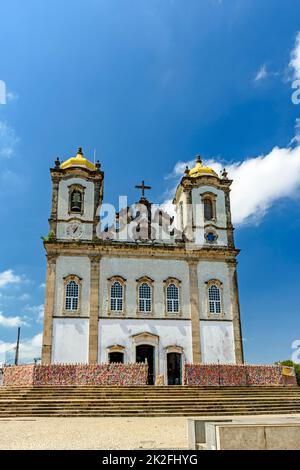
[[47, 406], [135, 413], [149, 389], [150, 393], [186, 401], [135, 406], [83, 401]]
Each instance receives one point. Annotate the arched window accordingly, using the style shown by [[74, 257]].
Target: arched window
[[76, 201], [172, 298], [214, 299], [208, 209], [116, 297], [72, 296], [145, 297]]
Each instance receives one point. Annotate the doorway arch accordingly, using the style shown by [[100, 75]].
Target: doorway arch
[[174, 368], [147, 340], [174, 365], [146, 353]]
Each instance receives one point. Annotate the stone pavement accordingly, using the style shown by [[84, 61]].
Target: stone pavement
[[93, 433], [108, 433]]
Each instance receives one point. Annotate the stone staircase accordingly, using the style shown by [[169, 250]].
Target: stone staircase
[[87, 401]]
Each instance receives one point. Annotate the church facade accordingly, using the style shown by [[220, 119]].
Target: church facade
[[146, 286]]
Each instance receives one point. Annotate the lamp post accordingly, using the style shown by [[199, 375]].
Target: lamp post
[[17, 347]]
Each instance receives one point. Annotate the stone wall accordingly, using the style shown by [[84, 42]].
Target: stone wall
[[76, 374], [235, 375]]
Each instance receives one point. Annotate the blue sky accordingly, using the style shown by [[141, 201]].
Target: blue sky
[[150, 84]]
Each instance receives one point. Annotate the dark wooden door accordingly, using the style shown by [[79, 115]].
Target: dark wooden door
[[145, 352], [174, 368]]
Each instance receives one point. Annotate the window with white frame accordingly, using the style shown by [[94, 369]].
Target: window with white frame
[[172, 298], [72, 296], [214, 299], [145, 297], [116, 297]]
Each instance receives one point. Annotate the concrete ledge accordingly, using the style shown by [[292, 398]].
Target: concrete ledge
[[257, 437], [245, 433]]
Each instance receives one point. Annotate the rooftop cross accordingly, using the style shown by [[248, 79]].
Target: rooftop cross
[[143, 187]]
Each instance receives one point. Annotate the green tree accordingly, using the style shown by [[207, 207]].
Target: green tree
[[290, 363]]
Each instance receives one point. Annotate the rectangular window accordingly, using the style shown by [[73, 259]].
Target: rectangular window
[[116, 297]]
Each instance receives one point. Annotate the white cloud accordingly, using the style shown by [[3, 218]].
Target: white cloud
[[24, 296], [295, 58], [37, 310], [258, 182], [11, 322], [261, 74], [296, 139], [8, 140], [42, 285], [30, 348], [12, 96], [8, 277]]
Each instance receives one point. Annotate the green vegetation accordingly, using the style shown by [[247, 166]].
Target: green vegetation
[[290, 363], [49, 237]]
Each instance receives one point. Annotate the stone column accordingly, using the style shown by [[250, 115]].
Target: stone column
[[195, 310], [97, 203], [237, 329], [189, 228], [49, 309], [53, 216], [94, 309], [229, 226]]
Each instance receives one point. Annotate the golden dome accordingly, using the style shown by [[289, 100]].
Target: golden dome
[[199, 169], [79, 160]]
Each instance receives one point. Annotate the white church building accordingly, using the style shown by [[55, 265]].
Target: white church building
[[144, 287]]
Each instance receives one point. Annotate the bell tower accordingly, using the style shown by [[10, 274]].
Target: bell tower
[[202, 205], [77, 192]]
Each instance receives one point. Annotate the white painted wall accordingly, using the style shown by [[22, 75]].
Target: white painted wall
[[182, 198], [208, 270], [170, 332], [79, 266], [134, 268], [70, 340], [217, 342], [63, 199]]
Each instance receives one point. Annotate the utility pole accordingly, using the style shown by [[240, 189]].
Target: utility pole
[[17, 347]]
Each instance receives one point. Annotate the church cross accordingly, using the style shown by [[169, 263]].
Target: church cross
[[143, 187]]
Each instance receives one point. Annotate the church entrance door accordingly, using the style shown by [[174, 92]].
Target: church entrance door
[[174, 368], [145, 352]]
